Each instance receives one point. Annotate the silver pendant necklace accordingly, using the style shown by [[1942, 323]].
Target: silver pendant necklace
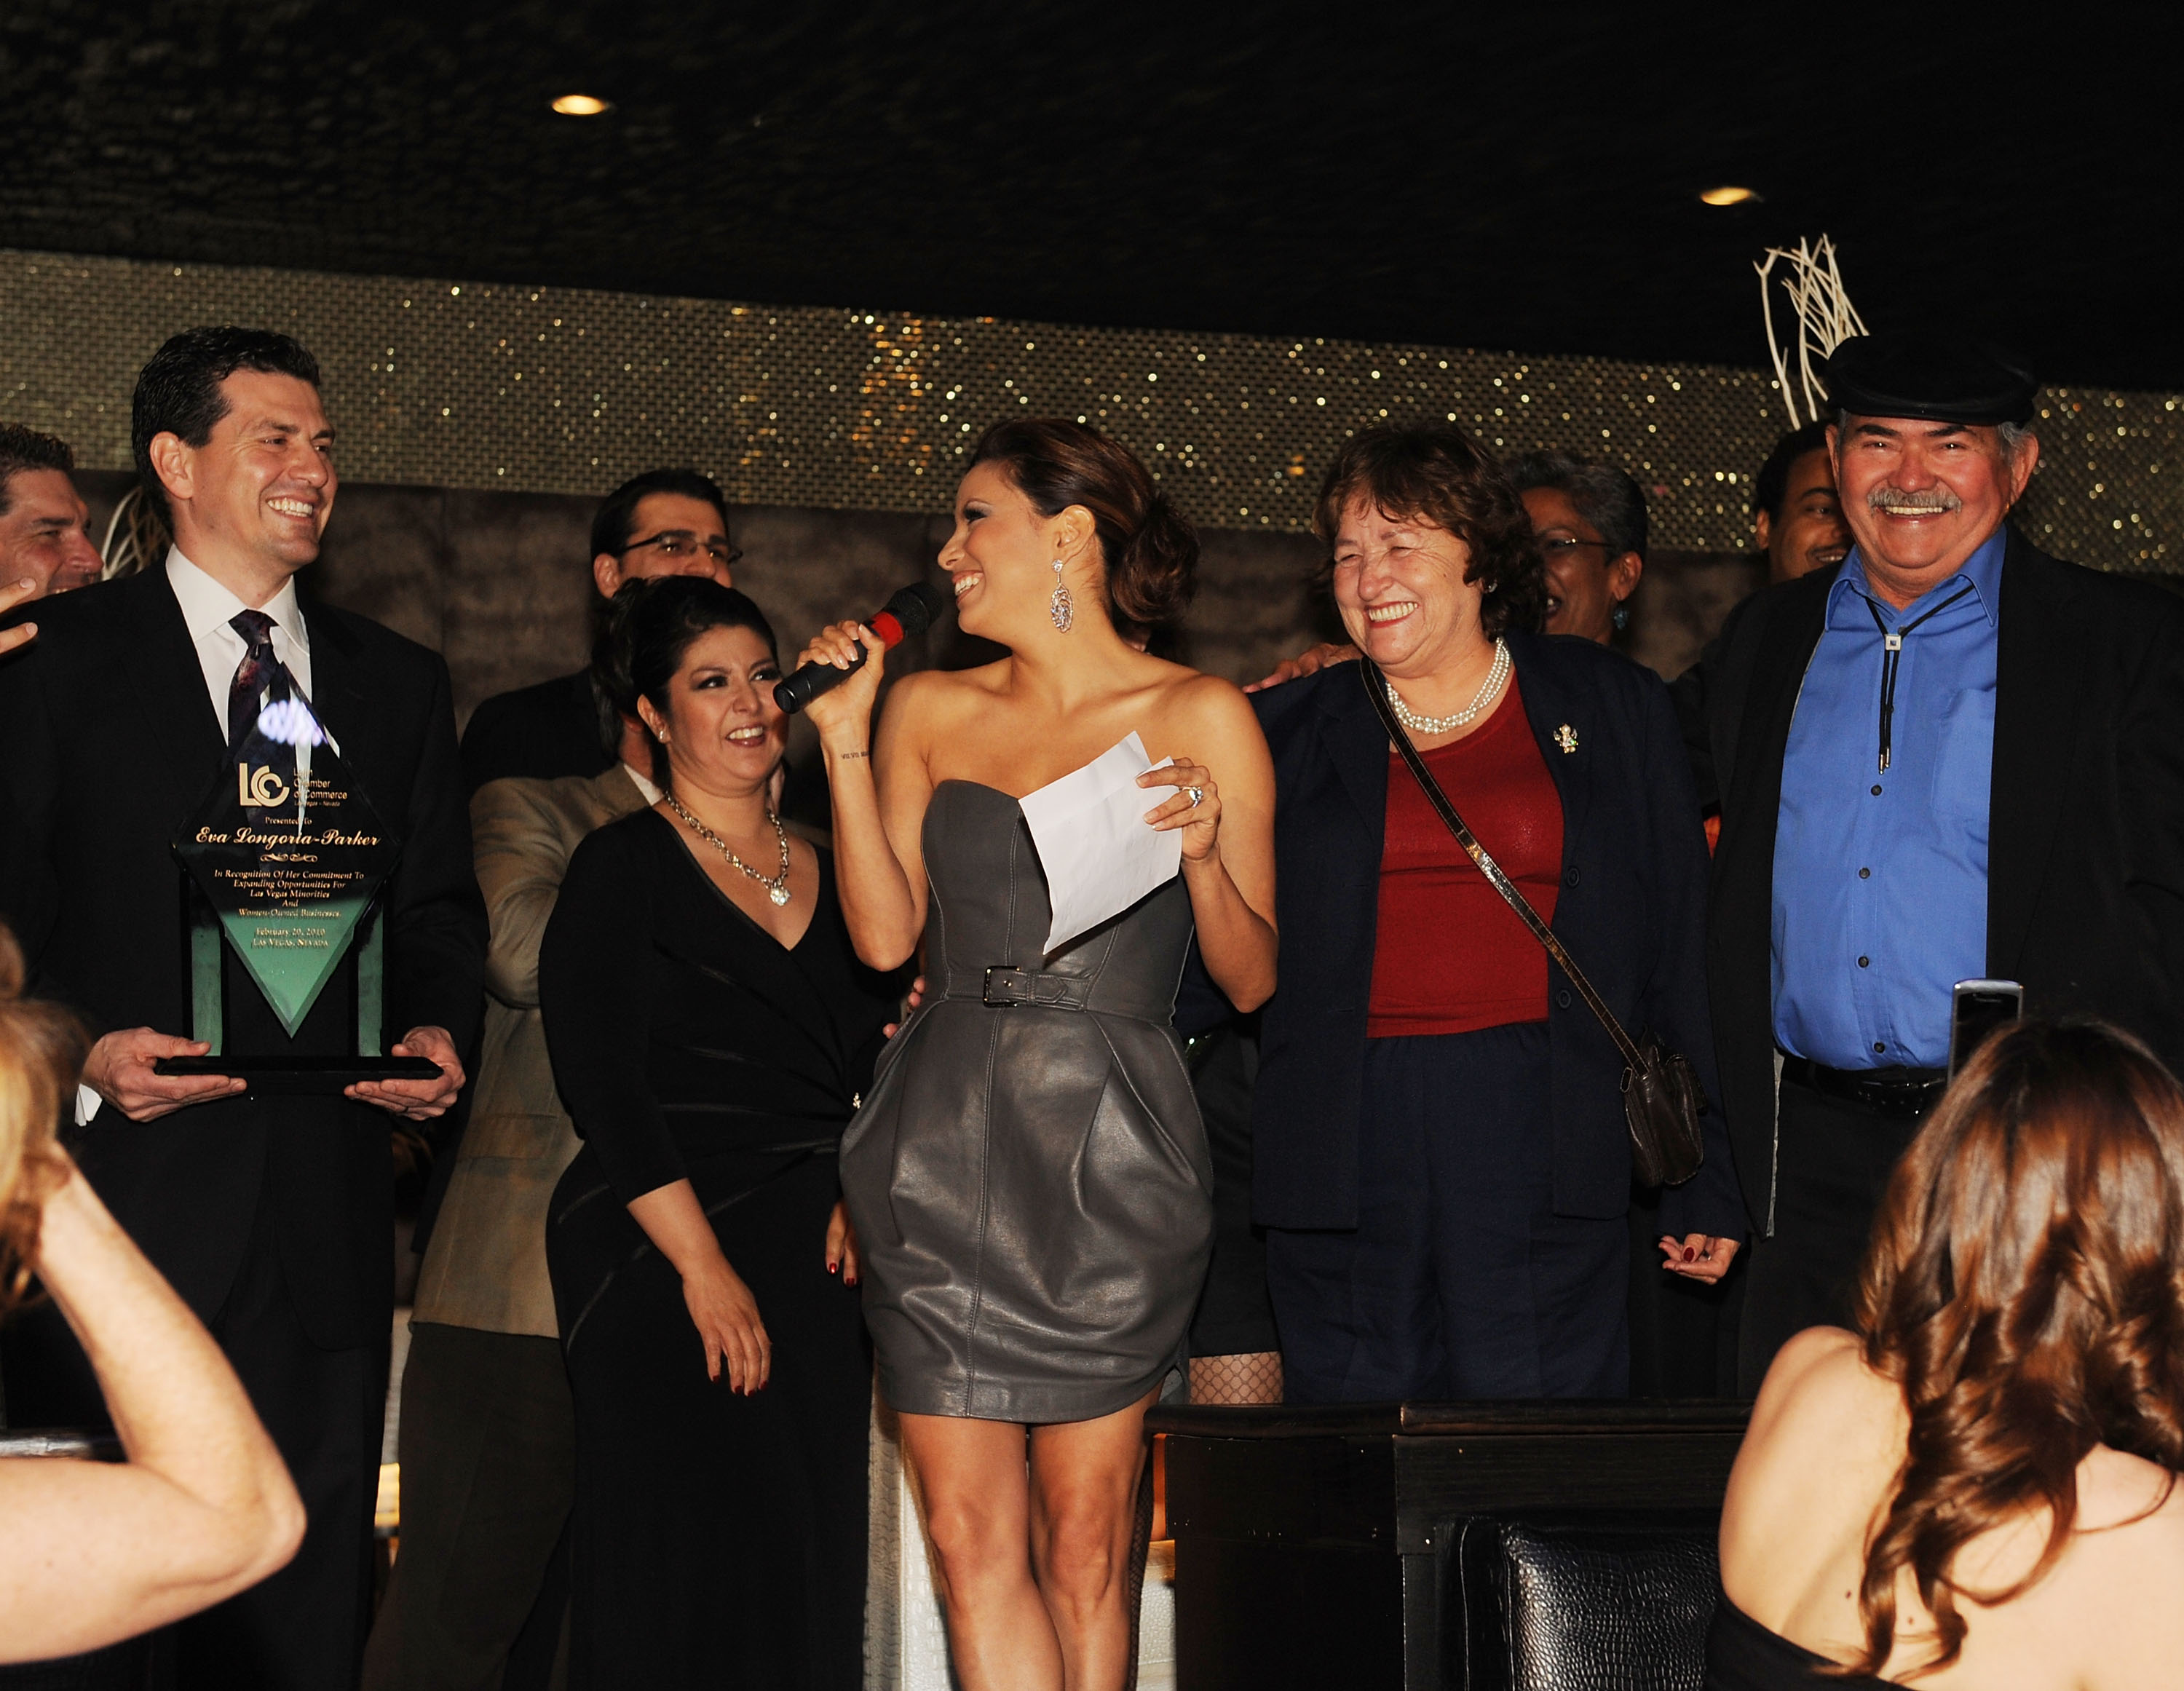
[[777, 888], [1431, 726]]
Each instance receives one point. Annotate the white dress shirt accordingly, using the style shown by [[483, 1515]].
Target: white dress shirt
[[207, 606], [645, 789]]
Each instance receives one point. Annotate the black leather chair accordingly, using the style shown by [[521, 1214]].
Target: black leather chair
[[1590, 1600]]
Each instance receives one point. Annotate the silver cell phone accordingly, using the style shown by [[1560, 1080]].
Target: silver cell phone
[[1979, 1008]]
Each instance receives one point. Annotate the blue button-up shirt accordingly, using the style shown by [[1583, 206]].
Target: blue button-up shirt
[[1881, 876]]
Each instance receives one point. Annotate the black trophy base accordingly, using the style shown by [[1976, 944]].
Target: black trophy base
[[316, 1076]]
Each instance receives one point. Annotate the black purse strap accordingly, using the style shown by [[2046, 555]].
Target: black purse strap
[[1376, 689]]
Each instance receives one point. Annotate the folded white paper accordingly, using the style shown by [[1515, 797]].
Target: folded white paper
[[1100, 853]]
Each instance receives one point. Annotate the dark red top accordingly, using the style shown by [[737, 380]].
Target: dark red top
[[1451, 956]]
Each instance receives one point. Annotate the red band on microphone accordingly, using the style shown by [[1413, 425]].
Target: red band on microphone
[[887, 628]]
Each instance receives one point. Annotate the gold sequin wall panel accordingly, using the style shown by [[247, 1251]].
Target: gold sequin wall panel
[[556, 389]]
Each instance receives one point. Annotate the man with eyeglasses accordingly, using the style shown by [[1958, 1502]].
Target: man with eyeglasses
[[665, 522]]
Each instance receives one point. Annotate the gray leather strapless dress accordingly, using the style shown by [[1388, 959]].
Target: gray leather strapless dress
[[1028, 1175]]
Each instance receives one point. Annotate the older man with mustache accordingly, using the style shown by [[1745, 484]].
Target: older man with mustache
[[1950, 756]]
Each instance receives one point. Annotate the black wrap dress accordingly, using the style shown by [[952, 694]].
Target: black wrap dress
[[716, 1539]]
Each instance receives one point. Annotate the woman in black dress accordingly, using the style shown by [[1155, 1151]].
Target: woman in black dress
[[711, 1032]]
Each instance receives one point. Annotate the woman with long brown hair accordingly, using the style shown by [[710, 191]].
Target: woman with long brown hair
[[1978, 1486]]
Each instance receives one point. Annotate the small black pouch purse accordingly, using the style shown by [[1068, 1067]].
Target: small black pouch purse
[[1662, 1097]]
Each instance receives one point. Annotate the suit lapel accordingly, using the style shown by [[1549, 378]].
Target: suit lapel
[[1358, 748], [169, 687], [337, 690], [1778, 675], [2038, 669], [1563, 723]]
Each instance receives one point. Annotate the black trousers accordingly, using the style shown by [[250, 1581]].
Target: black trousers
[[488, 1449], [1234, 1315], [1832, 1164], [303, 1628], [1460, 1280]]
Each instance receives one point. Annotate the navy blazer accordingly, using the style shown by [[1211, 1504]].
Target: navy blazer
[[1631, 912]]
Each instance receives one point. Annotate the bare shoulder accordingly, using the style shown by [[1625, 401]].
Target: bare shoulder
[[1197, 702], [925, 699], [2122, 1497], [2111, 1602], [1821, 1396]]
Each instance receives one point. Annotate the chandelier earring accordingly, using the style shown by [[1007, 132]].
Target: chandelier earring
[[1061, 607]]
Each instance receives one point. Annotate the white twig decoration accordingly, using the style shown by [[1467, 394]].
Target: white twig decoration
[[135, 537], [1825, 320]]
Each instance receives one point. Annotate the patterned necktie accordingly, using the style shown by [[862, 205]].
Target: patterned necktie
[[258, 671]]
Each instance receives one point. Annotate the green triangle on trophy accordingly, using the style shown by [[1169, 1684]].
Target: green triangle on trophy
[[289, 854]]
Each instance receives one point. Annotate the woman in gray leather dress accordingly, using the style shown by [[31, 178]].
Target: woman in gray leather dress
[[1028, 1177]]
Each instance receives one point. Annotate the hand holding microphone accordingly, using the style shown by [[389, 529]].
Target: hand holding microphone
[[839, 652]]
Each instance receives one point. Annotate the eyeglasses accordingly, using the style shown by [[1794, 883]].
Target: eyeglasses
[[1554, 546], [679, 543]]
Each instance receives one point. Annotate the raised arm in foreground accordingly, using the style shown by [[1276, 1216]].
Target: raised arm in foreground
[[202, 1508]]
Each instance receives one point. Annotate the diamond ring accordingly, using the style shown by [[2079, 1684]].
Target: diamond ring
[[1197, 796]]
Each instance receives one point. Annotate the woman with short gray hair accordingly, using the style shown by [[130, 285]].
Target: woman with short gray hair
[[1590, 521]]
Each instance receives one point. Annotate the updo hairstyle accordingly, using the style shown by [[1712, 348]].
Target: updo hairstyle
[[42, 1052], [1150, 551], [649, 630], [1438, 472]]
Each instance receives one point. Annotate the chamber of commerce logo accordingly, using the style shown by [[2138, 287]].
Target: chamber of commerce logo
[[259, 787]]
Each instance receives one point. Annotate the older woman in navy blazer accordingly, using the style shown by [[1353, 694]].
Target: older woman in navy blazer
[[1441, 1160]]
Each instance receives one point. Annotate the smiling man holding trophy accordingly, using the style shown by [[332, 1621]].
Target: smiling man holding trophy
[[235, 840]]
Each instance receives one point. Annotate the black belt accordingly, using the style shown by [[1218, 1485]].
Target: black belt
[[1900, 1092], [1005, 986]]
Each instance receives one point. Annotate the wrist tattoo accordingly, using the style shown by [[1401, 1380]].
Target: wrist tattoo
[[845, 757]]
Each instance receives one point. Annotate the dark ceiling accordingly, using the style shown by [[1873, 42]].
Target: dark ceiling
[[1524, 176]]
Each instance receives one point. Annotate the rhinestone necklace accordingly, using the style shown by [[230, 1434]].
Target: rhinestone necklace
[[777, 888], [1431, 726]]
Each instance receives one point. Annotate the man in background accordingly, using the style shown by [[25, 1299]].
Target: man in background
[[44, 537], [1794, 515], [664, 522]]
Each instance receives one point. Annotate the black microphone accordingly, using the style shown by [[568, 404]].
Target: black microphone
[[909, 612]]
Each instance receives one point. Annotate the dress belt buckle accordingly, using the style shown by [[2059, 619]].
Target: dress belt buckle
[[1011, 990]]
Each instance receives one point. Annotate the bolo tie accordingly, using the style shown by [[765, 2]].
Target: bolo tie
[[1891, 643]]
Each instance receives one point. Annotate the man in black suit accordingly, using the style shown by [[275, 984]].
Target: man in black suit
[[1950, 756], [271, 1215], [665, 522]]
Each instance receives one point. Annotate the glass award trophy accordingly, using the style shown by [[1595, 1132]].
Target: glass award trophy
[[285, 861]]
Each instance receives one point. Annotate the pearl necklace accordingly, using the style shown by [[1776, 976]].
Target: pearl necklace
[[1432, 725], [777, 888]]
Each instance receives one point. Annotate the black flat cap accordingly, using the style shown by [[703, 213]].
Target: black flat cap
[[1942, 377]]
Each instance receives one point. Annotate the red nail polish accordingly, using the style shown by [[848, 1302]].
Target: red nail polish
[[1689, 1253]]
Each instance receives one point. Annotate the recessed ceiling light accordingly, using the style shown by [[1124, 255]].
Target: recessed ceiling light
[[1722, 196], [581, 105]]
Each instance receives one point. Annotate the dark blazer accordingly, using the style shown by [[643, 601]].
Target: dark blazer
[[2086, 830], [110, 742], [1631, 910], [541, 733]]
